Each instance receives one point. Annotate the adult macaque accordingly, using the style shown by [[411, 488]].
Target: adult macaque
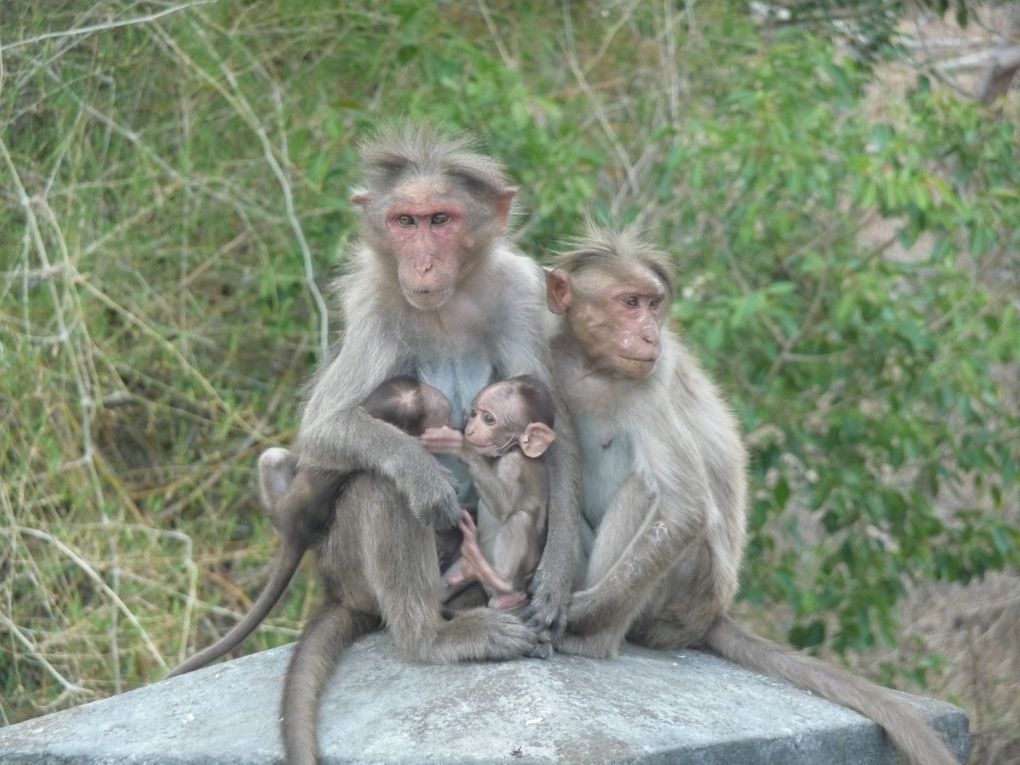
[[664, 485], [508, 430], [434, 291], [300, 502]]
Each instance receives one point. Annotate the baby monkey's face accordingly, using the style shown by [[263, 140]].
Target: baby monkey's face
[[493, 425]]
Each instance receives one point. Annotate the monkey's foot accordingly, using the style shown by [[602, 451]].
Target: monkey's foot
[[596, 646], [509, 601], [484, 633]]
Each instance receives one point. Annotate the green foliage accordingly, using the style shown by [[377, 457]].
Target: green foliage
[[867, 379], [175, 196]]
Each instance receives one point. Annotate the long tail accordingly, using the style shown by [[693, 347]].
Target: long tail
[[907, 729], [315, 658], [286, 564]]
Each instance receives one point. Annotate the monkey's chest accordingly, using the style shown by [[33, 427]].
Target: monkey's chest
[[607, 460], [459, 375]]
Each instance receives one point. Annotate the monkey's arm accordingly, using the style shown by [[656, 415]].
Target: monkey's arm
[[525, 351], [498, 481], [337, 434], [553, 580]]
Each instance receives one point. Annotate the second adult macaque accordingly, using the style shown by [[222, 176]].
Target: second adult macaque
[[509, 428], [664, 485]]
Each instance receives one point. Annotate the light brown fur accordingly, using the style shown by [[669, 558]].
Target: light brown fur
[[665, 491]]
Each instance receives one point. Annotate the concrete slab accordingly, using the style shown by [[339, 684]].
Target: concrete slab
[[644, 707]]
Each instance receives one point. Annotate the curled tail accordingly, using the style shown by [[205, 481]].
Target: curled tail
[[907, 729], [286, 564], [324, 640]]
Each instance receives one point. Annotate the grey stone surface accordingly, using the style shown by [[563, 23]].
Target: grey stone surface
[[644, 707]]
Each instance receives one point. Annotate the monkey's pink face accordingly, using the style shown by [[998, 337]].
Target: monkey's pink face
[[618, 321], [427, 234]]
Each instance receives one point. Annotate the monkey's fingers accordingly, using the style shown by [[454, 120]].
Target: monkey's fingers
[[433, 500], [444, 440], [546, 613], [467, 526]]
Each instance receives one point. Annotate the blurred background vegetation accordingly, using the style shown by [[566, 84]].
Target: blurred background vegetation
[[837, 181]]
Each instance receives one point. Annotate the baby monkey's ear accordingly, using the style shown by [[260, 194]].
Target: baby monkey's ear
[[536, 439]]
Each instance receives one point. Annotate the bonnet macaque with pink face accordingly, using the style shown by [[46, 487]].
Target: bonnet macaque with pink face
[[508, 430]]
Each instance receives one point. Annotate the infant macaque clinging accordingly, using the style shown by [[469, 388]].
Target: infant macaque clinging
[[509, 428]]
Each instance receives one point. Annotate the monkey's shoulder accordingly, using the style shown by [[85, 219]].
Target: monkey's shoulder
[[512, 467]]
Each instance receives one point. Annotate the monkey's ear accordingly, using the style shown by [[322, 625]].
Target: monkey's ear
[[361, 199], [558, 292], [504, 204], [536, 439]]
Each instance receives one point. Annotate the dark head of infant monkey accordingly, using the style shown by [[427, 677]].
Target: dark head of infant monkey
[[408, 404]]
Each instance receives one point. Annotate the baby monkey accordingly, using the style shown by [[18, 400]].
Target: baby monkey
[[509, 428]]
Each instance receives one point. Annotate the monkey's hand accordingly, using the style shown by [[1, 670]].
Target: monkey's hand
[[444, 440], [591, 631], [587, 612], [430, 492], [546, 613]]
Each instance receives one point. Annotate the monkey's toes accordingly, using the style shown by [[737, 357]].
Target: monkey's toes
[[511, 638]]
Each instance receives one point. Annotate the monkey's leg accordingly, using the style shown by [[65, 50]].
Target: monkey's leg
[[593, 630], [475, 563], [401, 567], [688, 603], [314, 660], [515, 555]]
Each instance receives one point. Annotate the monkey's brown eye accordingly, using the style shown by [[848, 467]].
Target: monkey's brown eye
[[472, 414], [630, 301], [405, 220], [655, 302], [488, 419], [440, 218]]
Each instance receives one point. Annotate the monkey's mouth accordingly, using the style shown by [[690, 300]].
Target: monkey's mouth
[[427, 297], [637, 368]]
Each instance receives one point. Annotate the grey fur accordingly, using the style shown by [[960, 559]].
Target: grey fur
[[378, 560]]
